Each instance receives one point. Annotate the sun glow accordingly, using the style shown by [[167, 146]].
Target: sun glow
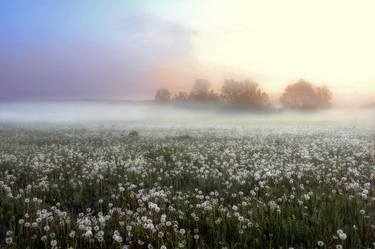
[[327, 42]]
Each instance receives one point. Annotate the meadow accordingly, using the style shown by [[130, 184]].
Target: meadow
[[108, 187]]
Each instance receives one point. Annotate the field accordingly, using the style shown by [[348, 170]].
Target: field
[[79, 187]]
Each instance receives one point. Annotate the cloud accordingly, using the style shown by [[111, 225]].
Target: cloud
[[119, 66], [78, 71], [157, 38]]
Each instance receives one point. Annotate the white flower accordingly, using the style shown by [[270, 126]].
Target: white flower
[[88, 234], [342, 236], [163, 218], [53, 243], [116, 237], [8, 240]]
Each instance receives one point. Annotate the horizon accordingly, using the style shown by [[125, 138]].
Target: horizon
[[274, 100]]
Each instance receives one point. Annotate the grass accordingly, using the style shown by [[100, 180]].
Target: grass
[[114, 189]]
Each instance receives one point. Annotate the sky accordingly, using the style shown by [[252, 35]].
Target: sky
[[122, 49]]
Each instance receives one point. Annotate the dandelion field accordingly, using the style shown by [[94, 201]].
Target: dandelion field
[[171, 188]]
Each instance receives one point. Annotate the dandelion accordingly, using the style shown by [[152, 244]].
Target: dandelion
[[8, 240], [116, 237], [342, 236], [88, 234], [163, 191], [53, 243]]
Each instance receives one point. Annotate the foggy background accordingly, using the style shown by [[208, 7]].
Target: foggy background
[[151, 114]]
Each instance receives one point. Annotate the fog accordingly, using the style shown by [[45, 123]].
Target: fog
[[149, 114]]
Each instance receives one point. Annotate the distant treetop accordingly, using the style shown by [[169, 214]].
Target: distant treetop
[[162, 95], [244, 93], [299, 95], [303, 95]]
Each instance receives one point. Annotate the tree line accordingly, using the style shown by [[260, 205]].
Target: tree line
[[299, 95]]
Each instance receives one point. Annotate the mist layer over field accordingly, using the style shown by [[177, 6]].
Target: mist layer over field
[[121, 174], [149, 114]]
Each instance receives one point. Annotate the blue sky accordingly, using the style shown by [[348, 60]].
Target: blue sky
[[83, 49]]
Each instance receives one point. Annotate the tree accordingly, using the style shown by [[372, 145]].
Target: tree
[[213, 97], [200, 90], [182, 96], [324, 96], [162, 95], [303, 95], [244, 93]]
